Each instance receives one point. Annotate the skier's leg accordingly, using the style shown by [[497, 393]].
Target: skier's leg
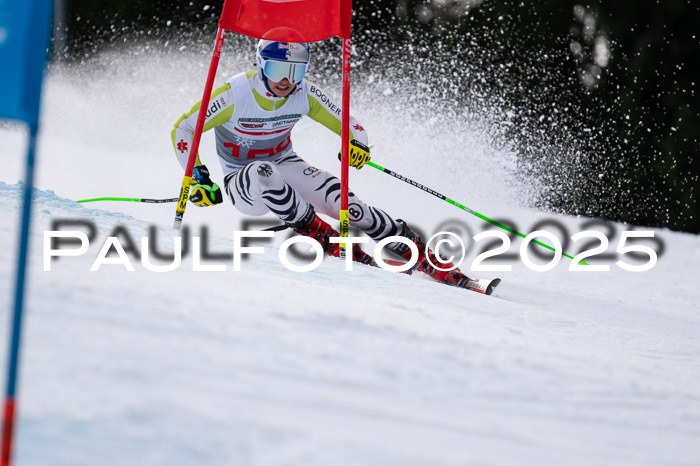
[[260, 187], [441, 270], [322, 189], [313, 226]]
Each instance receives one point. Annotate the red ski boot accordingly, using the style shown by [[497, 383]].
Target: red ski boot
[[313, 226], [447, 273]]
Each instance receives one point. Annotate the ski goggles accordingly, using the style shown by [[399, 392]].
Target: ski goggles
[[278, 70]]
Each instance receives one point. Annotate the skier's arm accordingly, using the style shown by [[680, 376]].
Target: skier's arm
[[326, 112], [219, 111]]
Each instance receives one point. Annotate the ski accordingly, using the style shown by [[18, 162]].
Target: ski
[[478, 285], [482, 285]]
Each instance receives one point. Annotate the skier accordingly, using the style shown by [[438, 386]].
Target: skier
[[253, 114]]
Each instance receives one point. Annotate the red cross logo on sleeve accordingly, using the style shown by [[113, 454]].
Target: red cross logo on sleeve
[[358, 127], [182, 146]]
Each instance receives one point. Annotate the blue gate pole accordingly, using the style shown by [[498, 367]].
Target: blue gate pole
[[9, 411]]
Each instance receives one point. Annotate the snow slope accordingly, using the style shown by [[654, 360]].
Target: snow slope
[[271, 367]]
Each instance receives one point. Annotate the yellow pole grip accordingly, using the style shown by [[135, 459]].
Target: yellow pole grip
[[344, 229], [182, 201]]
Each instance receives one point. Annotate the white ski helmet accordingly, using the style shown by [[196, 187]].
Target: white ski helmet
[[279, 60]]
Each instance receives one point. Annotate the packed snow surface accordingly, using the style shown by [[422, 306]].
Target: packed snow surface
[[271, 367]]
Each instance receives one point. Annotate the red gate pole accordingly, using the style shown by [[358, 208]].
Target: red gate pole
[[345, 147], [187, 180]]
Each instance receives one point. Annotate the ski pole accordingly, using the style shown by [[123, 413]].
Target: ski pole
[[130, 199], [161, 201], [463, 207]]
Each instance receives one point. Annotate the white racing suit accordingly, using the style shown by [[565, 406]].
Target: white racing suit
[[261, 171]]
